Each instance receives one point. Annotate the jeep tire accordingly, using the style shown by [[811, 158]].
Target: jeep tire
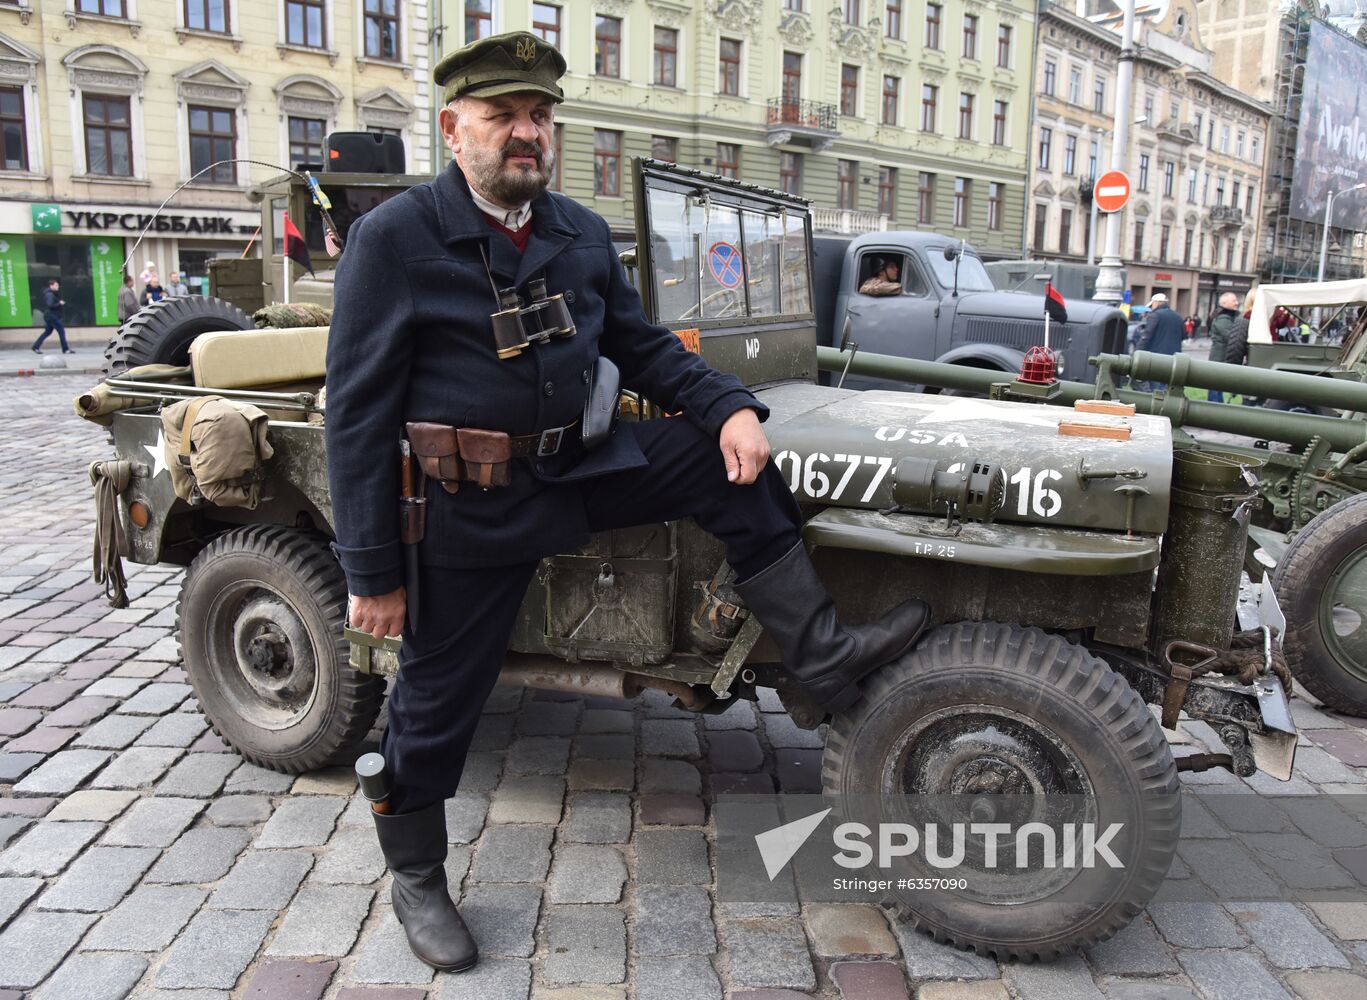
[[160, 333], [260, 621], [991, 714]]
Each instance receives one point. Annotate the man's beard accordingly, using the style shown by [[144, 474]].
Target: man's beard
[[488, 172]]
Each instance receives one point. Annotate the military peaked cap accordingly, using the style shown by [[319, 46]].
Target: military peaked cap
[[501, 64]]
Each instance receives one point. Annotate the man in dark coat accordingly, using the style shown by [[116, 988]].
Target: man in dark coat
[[411, 340], [1163, 328], [1219, 335], [52, 318]]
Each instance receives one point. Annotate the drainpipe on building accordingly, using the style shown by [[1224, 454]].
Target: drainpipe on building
[[1026, 204], [1110, 283]]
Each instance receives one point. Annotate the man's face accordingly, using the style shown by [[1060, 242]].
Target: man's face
[[892, 270], [503, 144]]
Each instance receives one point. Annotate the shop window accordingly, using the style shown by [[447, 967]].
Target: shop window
[[213, 138], [382, 29], [304, 23], [108, 136]]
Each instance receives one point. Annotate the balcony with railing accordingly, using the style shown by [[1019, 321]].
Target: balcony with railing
[[810, 122], [1226, 216], [847, 221]]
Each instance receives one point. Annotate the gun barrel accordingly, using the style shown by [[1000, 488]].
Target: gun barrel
[[1250, 421], [1294, 387]]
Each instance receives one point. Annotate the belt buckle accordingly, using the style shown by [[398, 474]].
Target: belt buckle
[[550, 442]]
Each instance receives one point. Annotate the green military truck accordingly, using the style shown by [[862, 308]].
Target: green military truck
[[1078, 574]]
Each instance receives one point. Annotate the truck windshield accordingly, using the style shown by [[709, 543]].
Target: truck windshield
[[712, 260], [972, 275]]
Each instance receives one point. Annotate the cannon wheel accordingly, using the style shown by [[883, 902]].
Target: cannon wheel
[[160, 333], [1321, 583], [982, 710], [260, 621]]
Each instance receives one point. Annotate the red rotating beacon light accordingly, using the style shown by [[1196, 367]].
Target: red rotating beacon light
[[1040, 366]]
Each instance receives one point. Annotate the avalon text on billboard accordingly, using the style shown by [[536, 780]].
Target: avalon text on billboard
[[1331, 141]]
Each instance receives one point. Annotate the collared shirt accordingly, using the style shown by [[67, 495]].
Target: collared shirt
[[513, 218]]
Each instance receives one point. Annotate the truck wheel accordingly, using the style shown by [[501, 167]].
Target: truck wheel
[[1004, 723], [160, 333], [1321, 584], [260, 621]]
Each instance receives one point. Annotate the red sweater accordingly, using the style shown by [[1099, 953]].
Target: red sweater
[[518, 236]]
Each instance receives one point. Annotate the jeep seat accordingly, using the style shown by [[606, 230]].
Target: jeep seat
[[259, 358]]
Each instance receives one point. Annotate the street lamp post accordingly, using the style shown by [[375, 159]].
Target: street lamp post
[[1328, 214], [1110, 283]]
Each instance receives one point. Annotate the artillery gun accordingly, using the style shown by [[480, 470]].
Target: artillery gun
[[1310, 525], [1036, 543]]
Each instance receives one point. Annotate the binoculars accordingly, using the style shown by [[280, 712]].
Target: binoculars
[[516, 325]]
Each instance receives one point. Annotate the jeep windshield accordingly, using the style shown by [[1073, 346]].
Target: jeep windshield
[[972, 275]]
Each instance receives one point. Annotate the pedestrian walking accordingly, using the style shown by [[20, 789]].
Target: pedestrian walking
[[128, 300], [1163, 328], [412, 343], [52, 317], [1219, 336]]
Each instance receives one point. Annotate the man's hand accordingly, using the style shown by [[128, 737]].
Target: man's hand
[[379, 616], [744, 446]]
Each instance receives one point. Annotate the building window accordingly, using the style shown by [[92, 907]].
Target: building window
[[930, 96], [382, 29], [728, 160], [1065, 230], [1046, 144], [108, 136], [893, 21], [1191, 184], [1219, 190], [13, 130], [1069, 155], [1041, 225], [999, 123], [1239, 144], [1003, 46], [925, 199], [107, 8], [1200, 249], [1075, 86], [849, 90], [1248, 201], [1224, 138], [1254, 154], [557, 139], [1148, 111], [729, 67], [213, 137], [1139, 240], [793, 5], [1196, 120], [892, 88], [792, 79], [304, 23], [479, 19], [1243, 258], [1186, 248], [607, 46], [846, 181], [970, 50], [1169, 178], [207, 15], [1229, 256], [887, 191], [1164, 234], [934, 18], [607, 163], [546, 23], [1143, 172], [306, 141], [1210, 135], [994, 206], [1099, 94], [851, 10], [1050, 77], [1174, 108], [664, 148], [666, 57], [790, 173], [1093, 156], [965, 116], [962, 187], [1205, 187]]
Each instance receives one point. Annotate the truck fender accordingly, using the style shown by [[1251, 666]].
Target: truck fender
[[999, 356]]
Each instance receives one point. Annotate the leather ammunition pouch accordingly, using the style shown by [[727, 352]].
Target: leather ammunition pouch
[[485, 455], [438, 452]]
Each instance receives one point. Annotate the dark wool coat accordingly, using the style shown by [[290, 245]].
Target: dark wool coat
[[411, 340], [1163, 332]]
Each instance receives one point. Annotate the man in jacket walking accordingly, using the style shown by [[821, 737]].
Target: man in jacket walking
[[52, 318], [412, 341]]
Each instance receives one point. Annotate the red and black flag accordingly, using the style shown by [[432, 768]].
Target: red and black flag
[[1054, 306], [295, 248]]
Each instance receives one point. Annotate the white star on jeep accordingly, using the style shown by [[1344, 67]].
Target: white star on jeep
[[949, 409], [158, 453]]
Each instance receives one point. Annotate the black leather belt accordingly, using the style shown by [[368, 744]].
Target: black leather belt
[[543, 444]]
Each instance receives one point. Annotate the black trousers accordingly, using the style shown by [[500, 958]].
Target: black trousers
[[449, 667]]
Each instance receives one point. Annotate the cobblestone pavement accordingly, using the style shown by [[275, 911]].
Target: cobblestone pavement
[[142, 858]]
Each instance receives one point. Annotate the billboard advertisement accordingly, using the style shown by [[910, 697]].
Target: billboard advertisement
[[1331, 141]]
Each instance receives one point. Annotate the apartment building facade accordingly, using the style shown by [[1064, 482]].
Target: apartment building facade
[[883, 113], [1195, 157], [107, 106]]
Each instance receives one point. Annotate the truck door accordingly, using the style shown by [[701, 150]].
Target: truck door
[[883, 320]]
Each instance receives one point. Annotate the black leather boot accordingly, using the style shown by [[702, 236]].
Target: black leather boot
[[414, 846], [826, 658]]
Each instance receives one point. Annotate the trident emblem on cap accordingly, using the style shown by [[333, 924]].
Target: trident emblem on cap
[[526, 49]]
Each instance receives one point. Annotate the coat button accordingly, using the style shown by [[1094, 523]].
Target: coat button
[[548, 389], [569, 296], [584, 376]]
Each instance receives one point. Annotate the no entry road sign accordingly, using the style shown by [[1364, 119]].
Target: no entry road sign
[[1112, 191]]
